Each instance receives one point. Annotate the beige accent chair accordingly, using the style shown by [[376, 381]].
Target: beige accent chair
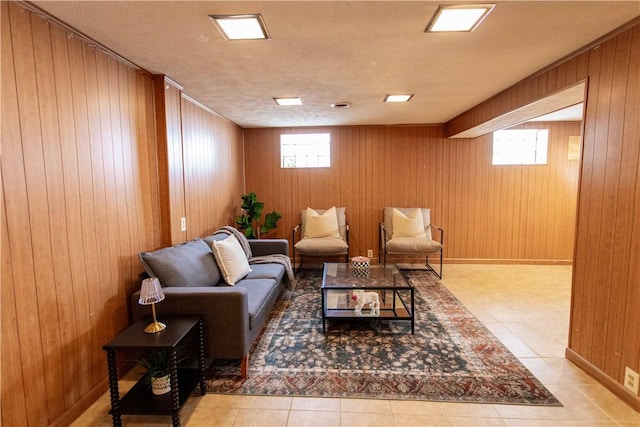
[[321, 233], [413, 235]]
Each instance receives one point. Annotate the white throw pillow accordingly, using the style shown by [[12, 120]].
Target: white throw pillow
[[411, 225], [325, 225], [231, 259]]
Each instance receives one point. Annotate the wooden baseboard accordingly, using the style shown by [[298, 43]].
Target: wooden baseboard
[[480, 261], [507, 261], [612, 385], [83, 404]]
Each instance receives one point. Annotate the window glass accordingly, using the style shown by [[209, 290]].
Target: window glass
[[305, 150], [520, 147]]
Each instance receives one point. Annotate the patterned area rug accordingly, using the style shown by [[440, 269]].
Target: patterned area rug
[[451, 356]]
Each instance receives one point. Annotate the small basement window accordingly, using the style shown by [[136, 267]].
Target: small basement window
[[520, 147], [305, 150]]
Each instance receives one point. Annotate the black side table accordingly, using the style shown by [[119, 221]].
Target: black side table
[[139, 400]]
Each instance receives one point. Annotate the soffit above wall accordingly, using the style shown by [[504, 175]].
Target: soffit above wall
[[553, 103]]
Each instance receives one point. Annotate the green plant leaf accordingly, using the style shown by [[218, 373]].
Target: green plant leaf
[[270, 222], [250, 233], [244, 221], [249, 221]]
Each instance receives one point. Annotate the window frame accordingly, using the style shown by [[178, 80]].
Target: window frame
[[317, 158], [537, 154]]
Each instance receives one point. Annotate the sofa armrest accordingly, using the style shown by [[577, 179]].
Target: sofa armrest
[[263, 247], [225, 311]]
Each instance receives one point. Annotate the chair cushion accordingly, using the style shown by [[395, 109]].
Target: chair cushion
[[388, 220], [323, 245], [412, 245], [409, 225], [186, 264], [231, 259], [319, 225]]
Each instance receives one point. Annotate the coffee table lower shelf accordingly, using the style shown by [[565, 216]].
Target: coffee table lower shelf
[[350, 315]]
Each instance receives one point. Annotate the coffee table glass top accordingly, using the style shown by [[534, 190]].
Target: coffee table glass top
[[342, 276]]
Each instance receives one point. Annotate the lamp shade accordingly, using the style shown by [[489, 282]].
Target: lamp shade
[[151, 291]]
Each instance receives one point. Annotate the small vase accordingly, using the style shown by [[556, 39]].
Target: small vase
[[160, 385]]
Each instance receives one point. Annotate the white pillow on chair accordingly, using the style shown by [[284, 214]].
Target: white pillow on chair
[[410, 225], [321, 225], [231, 259]]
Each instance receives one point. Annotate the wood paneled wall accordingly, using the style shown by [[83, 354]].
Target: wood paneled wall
[[213, 169], [605, 309], [524, 213], [605, 313], [170, 156], [81, 198], [93, 172]]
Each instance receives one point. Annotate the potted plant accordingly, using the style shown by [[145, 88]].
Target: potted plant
[[157, 375], [249, 221]]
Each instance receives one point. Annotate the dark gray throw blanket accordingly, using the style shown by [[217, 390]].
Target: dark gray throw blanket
[[281, 259]]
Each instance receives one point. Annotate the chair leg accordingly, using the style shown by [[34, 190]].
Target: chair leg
[[295, 271], [430, 268]]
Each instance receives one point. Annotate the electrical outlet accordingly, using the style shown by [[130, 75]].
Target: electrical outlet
[[370, 253], [631, 380], [183, 224]]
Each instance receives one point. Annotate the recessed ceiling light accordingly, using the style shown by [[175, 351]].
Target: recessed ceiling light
[[398, 98], [459, 17], [241, 27], [288, 101]]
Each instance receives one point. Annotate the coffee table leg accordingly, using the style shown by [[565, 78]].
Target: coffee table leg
[[324, 312], [413, 314]]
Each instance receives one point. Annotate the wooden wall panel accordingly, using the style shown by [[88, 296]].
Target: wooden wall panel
[[605, 325], [605, 309], [213, 165], [488, 212], [171, 173], [80, 199]]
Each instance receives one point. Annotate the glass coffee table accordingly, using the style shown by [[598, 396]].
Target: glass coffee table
[[386, 294]]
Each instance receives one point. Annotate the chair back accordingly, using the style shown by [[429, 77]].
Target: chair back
[[388, 221], [342, 220]]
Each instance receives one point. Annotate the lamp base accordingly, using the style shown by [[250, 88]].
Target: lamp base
[[155, 327]]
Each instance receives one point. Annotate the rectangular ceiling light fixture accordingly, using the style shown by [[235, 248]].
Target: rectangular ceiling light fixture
[[288, 101], [458, 17], [241, 27], [398, 98]]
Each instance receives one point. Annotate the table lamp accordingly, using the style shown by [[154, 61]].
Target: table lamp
[[151, 293]]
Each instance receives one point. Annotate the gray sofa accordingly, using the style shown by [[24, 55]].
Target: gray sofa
[[192, 284]]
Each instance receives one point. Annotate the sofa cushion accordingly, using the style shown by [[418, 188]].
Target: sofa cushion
[[260, 292], [231, 259], [266, 271], [186, 264]]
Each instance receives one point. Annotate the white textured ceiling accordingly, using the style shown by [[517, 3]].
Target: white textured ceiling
[[353, 51]]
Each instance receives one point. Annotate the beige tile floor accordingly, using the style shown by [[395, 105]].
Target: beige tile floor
[[527, 307]]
